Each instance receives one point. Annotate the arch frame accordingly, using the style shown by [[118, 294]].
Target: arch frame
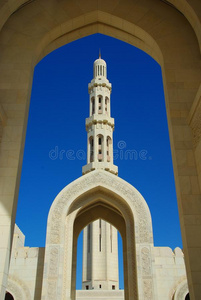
[[181, 291], [90, 189], [17, 288], [22, 59]]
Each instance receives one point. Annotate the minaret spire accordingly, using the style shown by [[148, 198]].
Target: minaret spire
[[99, 53], [99, 125]]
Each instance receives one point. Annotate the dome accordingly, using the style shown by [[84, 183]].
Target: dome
[[99, 61], [100, 68]]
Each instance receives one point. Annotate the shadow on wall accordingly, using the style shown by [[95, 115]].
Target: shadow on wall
[[39, 275]]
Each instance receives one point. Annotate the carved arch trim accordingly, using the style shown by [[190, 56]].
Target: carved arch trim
[[124, 196], [181, 291], [17, 288], [106, 189]]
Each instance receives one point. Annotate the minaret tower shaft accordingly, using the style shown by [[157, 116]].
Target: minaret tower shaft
[[100, 250], [99, 125]]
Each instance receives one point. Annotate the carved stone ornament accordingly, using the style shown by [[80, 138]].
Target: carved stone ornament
[[146, 262], [17, 288], [72, 198], [111, 182], [181, 291], [52, 288], [54, 258], [148, 289]]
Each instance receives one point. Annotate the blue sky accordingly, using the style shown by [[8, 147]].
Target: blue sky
[[56, 140]]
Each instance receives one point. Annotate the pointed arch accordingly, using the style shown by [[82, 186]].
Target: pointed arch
[[109, 149], [100, 143], [181, 291], [100, 103], [118, 203], [91, 149], [17, 288]]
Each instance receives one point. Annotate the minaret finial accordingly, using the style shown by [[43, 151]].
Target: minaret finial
[[99, 53]]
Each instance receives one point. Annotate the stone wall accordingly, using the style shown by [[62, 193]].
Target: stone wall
[[26, 273], [26, 267]]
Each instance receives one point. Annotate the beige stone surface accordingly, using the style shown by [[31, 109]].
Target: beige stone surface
[[100, 295], [99, 195], [170, 34], [26, 269], [100, 257], [166, 267]]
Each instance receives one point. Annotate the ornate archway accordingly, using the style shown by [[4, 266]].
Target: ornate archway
[[181, 291], [18, 289], [118, 203]]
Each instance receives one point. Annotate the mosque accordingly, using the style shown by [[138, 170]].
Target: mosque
[[99, 203]]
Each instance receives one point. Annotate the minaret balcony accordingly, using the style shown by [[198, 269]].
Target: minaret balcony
[[99, 118], [101, 81]]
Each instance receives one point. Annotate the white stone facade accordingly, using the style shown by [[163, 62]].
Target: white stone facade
[[26, 269], [26, 273], [100, 257]]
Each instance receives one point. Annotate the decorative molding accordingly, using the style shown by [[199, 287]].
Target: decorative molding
[[54, 260], [51, 290], [148, 290], [18, 288], [112, 183], [181, 291], [100, 185], [146, 262], [147, 275]]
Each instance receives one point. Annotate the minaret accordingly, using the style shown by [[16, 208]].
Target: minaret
[[100, 125], [100, 250]]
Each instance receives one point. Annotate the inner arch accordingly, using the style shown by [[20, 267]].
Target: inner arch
[[9, 296], [104, 211], [106, 24]]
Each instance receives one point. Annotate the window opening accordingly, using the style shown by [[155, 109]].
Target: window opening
[[106, 102], [93, 106], [91, 143], [99, 105]]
